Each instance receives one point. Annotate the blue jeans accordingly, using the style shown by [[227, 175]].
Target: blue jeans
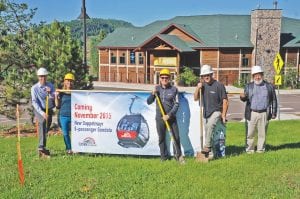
[[65, 127]]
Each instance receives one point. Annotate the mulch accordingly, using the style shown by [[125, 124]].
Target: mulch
[[25, 132]]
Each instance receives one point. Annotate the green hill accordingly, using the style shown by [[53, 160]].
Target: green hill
[[94, 26]]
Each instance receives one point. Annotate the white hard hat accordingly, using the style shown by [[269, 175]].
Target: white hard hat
[[42, 71], [206, 69], [256, 69]]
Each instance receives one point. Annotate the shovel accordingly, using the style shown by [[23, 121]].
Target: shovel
[[162, 111], [200, 157]]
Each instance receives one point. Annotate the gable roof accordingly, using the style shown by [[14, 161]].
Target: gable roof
[[290, 32], [212, 30]]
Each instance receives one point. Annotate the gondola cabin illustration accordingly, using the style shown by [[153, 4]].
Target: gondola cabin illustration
[[132, 129]]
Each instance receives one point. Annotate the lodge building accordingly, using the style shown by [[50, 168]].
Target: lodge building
[[231, 44]]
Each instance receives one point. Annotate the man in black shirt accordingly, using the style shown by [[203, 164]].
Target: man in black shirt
[[215, 103]]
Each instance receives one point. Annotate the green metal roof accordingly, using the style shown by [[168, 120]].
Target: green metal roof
[[211, 30], [176, 42], [290, 32]]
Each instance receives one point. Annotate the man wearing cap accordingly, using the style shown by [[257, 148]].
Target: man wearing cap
[[215, 103], [39, 93], [261, 106], [168, 95]]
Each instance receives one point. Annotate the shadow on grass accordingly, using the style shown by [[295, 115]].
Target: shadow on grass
[[237, 150], [283, 146], [234, 150]]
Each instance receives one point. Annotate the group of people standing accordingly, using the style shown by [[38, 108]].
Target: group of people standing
[[259, 95], [261, 106], [44, 99]]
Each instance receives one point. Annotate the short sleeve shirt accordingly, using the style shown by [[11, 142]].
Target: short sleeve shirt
[[213, 95]]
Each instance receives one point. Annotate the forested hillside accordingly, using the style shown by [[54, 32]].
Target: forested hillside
[[94, 26]]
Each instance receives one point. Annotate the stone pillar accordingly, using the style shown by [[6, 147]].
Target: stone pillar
[[265, 37]]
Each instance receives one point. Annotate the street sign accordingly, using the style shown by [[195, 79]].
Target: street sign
[[278, 63], [278, 80]]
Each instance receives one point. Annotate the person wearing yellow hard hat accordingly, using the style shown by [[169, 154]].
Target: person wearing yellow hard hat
[[63, 103], [168, 95], [261, 106]]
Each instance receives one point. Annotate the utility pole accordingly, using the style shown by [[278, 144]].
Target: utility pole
[[84, 16]]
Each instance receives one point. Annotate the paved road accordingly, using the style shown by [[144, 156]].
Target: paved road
[[289, 106]]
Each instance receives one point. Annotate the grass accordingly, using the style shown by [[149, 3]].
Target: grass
[[274, 174]]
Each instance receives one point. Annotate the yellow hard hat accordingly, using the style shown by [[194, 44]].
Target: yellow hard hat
[[164, 71], [69, 76]]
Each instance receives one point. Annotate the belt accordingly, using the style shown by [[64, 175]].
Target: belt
[[259, 111]]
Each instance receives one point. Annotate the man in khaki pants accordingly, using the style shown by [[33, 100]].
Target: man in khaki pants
[[261, 106], [215, 103]]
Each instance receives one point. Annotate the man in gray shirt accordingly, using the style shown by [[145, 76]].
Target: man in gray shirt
[[261, 106], [215, 103]]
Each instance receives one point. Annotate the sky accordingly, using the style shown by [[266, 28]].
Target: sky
[[143, 12]]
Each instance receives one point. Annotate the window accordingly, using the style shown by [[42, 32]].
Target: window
[[245, 78], [122, 59], [113, 58], [141, 58], [245, 61], [132, 57]]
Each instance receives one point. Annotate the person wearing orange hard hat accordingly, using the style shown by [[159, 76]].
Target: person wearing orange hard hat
[[63, 103], [168, 97], [261, 106]]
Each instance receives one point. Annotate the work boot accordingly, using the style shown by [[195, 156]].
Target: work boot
[[44, 153], [206, 150]]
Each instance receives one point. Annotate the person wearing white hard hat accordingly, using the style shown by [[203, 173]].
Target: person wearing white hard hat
[[39, 93], [261, 106], [215, 103]]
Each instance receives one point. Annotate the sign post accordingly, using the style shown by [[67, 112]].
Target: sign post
[[278, 64]]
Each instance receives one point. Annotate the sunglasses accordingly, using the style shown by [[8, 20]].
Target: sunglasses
[[205, 75], [164, 78]]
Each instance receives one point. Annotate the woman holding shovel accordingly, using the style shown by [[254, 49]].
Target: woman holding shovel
[[166, 97]]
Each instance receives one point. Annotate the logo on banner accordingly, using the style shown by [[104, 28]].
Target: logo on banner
[[88, 142]]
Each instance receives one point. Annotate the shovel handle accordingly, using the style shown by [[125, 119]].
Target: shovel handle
[[201, 118]]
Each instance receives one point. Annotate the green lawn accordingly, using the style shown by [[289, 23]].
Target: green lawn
[[274, 174]]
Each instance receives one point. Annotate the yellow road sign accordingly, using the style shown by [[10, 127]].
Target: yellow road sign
[[278, 63], [278, 80]]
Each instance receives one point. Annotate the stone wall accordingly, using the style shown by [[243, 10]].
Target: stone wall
[[265, 37]]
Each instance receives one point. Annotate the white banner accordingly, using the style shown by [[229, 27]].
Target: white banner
[[123, 123]]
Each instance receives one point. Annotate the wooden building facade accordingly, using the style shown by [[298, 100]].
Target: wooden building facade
[[225, 42]]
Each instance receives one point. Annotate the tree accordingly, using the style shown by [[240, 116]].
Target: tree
[[94, 57], [188, 77], [15, 68], [53, 48], [290, 78], [25, 47]]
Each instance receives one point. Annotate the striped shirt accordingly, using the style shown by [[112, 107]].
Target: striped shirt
[[38, 97]]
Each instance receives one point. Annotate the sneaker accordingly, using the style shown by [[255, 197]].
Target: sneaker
[[250, 151], [260, 151], [181, 160], [69, 152], [206, 150]]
